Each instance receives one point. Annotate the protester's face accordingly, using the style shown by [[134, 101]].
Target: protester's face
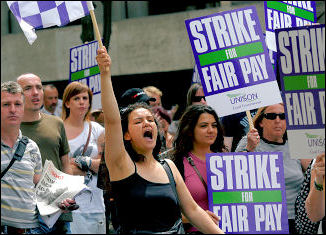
[[12, 109], [78, 104], [142, 130], [157, 102], [273, 130], [164, 124], [205, 131], [50, 99], [200, 93], [33, 91]]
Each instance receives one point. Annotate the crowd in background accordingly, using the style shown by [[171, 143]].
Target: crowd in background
[[126, 152]]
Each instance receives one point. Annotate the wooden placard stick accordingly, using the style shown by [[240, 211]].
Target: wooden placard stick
[[96, 30]]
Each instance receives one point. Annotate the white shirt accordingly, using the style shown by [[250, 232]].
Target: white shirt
[[57, 111], [86, 202]]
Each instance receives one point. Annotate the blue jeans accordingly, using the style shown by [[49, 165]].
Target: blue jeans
[[60, 227]]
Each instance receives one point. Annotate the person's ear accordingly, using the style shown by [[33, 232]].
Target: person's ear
[[67, 105], [126, 136], [261, 125]]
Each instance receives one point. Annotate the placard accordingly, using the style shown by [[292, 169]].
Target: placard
[[247, 191], [301, 62], [232, 61], [287, 14], [84, 68]]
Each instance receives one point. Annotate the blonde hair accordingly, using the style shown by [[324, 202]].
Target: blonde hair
[[152, 90], [258, 118]]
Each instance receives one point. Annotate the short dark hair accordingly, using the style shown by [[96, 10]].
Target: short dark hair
[[124, 113], [51, 86]]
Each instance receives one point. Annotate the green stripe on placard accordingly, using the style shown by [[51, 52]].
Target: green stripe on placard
[[85, 73], [279, 6], [240, 51], [304, 82], [257, 196]]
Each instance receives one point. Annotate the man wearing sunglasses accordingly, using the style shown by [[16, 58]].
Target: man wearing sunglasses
[[269, 135]]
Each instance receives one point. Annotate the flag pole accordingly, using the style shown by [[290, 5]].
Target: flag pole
[[96, 30]]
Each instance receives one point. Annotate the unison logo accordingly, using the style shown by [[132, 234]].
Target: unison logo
[[315, 140], [240, 98]]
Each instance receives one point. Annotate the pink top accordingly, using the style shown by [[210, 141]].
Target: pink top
[[194, 184]]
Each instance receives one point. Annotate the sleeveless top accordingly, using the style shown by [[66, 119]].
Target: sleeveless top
[[144, 205], [303, 224]]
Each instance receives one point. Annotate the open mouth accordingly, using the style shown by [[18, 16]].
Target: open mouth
[[148, 134]]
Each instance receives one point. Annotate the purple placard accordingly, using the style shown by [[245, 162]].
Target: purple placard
[[232, 61], [301, 63], [247, 191], [83, 66], [287, 14], [243, 28], [272, 56]]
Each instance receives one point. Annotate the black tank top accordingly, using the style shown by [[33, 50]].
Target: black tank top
[[144, 205]]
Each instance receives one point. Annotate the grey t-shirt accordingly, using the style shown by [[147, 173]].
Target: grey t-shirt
[[292, 169]]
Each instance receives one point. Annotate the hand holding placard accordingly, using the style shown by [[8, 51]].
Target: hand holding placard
[[251, 125]]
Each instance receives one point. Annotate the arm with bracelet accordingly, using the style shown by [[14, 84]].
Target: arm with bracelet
[[315, 202]]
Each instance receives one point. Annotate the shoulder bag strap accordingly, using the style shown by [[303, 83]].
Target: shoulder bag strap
[[19, 153], [89, 136], [191, 162], [171, 178]]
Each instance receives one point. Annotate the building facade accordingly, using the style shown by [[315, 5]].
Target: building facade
[[149, 44]]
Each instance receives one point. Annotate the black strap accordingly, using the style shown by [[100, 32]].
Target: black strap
[[171, 178], [19, 153], [191, 162]]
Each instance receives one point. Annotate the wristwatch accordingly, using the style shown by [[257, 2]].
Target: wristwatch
[[319, 187]]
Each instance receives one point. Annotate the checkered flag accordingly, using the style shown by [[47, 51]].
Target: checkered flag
[[33, 15]]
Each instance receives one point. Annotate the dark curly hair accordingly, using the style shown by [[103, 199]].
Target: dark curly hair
[[183, 142], [124, 113]]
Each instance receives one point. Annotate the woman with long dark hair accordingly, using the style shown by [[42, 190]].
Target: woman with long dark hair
[[199, 133], [147, 199]]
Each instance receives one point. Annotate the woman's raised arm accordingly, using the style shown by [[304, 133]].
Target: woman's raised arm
[[115, 154]]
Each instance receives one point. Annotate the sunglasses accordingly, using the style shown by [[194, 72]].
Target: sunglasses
[[272, 116], [198, 98]]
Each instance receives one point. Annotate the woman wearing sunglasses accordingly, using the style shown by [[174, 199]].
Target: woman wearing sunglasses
[[269, 135], [196, 95]]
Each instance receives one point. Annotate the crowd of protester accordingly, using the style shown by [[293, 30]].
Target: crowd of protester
[[145, 169]]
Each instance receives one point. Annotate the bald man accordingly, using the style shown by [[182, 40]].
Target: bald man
[[49, 134]]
